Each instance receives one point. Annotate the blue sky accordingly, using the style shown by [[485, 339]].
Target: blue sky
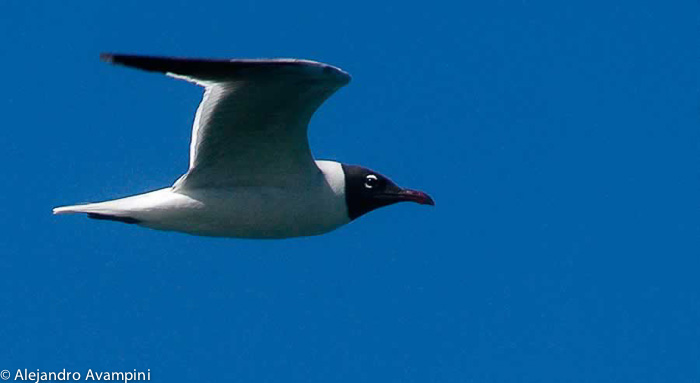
[[559, 139]]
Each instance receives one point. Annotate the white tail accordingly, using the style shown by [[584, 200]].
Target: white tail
[[107, 207], [130, 209], [97, 211], [103, 210]]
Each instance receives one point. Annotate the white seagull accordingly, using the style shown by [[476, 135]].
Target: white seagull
[[251, 172]]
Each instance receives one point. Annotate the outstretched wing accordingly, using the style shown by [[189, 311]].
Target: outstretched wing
[[251, 126]]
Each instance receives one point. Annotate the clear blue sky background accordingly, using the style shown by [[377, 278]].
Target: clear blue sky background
[[559, 139]]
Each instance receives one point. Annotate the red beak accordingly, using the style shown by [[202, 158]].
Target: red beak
[[415, 196]]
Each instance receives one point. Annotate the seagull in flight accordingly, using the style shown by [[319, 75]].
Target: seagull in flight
[[251, 171]]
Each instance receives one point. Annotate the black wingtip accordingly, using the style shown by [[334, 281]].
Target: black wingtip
[[216, 68]]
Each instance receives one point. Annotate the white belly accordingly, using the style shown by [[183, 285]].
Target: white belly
[[244, 212]]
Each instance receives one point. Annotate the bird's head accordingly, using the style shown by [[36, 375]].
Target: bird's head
[[367, 190]]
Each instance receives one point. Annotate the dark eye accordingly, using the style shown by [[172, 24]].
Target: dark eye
[[371, 181]]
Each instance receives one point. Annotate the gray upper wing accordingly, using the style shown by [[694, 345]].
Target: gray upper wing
[[251, 126]]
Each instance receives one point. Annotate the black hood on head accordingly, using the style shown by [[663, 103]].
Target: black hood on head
[[367, 190]]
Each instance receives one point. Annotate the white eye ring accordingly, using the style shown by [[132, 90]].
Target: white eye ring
[[370, 181]]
